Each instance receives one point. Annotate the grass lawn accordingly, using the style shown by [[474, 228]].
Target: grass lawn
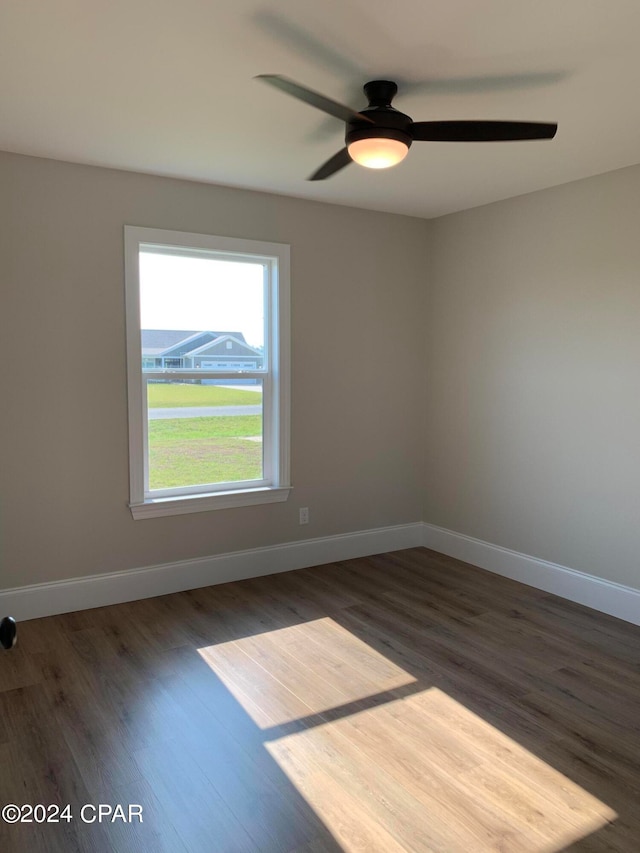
[[167, 396], [191, 451]]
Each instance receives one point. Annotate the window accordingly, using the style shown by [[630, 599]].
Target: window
[[206, 432]]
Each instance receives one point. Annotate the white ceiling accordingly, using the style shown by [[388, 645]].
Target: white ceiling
[[166, 86]]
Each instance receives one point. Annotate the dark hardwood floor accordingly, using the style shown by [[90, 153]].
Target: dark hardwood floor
[[404, 702]]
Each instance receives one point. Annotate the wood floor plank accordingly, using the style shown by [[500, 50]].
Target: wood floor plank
[[395, 808], [262, 694], [460, 682], [472, 821], [43, 770], [556, 647], [401, 702], [199, 815], [489, 746], [231, 753]]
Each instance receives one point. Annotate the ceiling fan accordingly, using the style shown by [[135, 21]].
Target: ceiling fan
[[380, 136]]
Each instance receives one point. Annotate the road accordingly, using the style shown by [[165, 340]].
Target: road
[[203, 412]]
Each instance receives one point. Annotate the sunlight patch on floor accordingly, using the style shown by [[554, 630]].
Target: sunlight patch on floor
[[304, 669], [390, 763], [427, 773]]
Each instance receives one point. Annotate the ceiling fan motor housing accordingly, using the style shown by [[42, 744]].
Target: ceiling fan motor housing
[[388, 123]]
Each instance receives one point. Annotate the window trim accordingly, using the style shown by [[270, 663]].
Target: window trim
[[276, 384]]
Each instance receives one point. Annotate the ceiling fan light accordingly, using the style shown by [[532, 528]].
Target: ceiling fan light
[[377, 152]]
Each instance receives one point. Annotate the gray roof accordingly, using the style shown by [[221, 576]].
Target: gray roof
[[156, 341], [240, 347]]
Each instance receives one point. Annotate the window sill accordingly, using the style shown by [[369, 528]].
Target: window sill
[[154, 507]]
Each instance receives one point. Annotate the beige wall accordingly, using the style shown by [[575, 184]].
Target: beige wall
[[357, 287], [480, 371], [533, 375]]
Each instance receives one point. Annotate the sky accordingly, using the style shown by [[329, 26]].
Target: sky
[[202, 294]]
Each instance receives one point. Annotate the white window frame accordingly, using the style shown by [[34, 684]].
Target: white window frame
[[274, 376]]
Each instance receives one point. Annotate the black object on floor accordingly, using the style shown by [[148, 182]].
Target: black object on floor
[[8, 632]]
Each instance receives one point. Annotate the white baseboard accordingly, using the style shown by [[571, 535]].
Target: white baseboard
[[605, 596], [48, 599]]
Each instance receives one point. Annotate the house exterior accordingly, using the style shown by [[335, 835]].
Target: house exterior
[[174, 349]]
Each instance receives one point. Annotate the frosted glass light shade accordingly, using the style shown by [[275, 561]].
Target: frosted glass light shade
[[377, 153]]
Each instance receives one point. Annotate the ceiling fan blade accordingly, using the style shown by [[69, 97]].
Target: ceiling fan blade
[[315, 99], [308, 44], [480, 131], [333, 165], [481, 83]]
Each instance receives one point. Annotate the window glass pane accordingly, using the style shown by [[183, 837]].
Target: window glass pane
[[201, 312], [204, 431]]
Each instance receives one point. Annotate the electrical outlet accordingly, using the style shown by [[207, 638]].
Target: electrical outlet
[[304, 515]]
